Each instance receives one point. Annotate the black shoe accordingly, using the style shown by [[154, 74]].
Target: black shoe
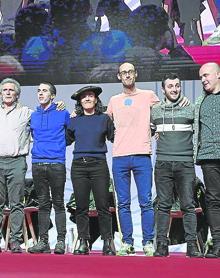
[[193, 250], [213, 252], [40, 247], [162, 249], [108, 248], [83, 248], [60, 247], [15, 247]]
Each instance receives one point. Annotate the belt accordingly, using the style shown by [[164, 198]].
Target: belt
[[45, 163], [88, 159]]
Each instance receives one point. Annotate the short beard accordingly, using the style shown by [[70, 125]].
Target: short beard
[[174, 100]]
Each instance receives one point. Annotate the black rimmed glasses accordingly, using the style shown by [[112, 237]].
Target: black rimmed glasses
[[125, 73]]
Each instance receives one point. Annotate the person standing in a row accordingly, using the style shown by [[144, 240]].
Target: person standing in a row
[[174, 168], [207, 147], [14, 147], [90, 129], [48, 126]]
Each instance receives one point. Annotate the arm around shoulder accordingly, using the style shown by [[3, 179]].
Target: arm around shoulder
[[154, 99], [70, 136], [110, 129]]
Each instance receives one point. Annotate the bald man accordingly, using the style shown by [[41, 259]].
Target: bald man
[[207, 147]]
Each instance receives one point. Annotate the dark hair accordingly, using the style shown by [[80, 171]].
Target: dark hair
[[171, 76], [98, 107], [53, 89]]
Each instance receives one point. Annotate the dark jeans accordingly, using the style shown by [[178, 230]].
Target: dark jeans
[[91, 173], [181, 176], [211, 174], [12, 181], [50, 177]]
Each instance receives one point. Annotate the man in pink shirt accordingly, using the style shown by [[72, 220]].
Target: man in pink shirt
[[130, 111]]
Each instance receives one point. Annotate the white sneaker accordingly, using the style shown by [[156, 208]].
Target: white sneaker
[[126, 250], [148, 248]]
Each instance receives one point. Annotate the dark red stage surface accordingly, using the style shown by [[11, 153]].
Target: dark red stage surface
[[95, 265]]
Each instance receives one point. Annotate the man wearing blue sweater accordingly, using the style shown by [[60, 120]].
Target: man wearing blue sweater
[[48, 166]]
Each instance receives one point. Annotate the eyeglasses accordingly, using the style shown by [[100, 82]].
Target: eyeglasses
[[124, 73]]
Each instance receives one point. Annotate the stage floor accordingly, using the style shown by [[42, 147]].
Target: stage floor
[[95, 265]]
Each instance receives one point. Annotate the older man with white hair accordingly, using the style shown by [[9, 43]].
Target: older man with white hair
[[14, 146]]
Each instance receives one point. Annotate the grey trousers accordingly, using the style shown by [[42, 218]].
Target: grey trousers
[[12, 182]]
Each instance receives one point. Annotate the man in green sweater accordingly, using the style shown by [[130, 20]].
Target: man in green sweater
[[207, 147], [174, 167]]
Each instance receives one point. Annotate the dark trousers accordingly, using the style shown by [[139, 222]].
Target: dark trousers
[[181, 176], [211, 174], [91, 174], [12, 182], [50, 178]]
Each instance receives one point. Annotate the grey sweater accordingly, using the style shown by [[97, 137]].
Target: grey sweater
[[175, 127]]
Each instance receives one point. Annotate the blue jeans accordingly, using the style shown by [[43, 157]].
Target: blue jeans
[[141, 167]]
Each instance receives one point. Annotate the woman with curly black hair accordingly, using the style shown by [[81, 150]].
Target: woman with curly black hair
[[89, 129]]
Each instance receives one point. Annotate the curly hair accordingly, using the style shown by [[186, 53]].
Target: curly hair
[[99, 109]]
